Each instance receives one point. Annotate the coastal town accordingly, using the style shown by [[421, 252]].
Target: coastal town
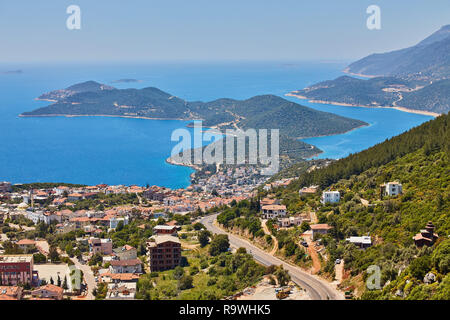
[[85, 217], [68, 242]]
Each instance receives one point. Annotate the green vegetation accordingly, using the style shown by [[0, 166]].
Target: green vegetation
[[425, 65], [260, 112], [419, 159], [206, 277]]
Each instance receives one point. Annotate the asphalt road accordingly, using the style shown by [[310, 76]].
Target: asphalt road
[[318, 289]]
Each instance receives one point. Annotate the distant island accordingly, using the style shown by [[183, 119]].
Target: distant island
[[261, 112], [415, 79], [12, 72]]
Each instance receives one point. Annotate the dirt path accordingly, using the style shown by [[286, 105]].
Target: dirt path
[[364, 202], [274, 239], [313, 254], [313, 217], [339, 271]]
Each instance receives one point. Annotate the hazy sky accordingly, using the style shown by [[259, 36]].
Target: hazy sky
[[138, 30]]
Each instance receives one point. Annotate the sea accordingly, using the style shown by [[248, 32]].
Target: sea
[[94, 150]]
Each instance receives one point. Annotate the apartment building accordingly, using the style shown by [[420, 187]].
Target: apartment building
[[164, 252]]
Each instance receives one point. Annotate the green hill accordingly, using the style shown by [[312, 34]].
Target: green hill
[[382, 91], [261, 112], [420, 160], [435, 97]]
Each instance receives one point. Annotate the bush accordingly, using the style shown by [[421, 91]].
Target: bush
[[39, 258], [185, 282], [219, 244]]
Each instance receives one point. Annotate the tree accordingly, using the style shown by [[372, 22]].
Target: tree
[[96, 259], [69, 249], [39, 258], [219, 244], [198, 226], [441, 257], [52, 281], [203, 238], [282, 275], [58, 283], [241, 250], [304, 226], [65, 286], [53, 254], [185, 282], [419, 267], [178, 273]]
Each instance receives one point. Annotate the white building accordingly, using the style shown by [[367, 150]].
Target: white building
[[273, 211], [41, 216], [362, 242], [113, 222], [392, 188], [330, 197]]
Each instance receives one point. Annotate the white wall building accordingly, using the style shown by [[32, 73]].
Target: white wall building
[[392, 188], [330, 197]]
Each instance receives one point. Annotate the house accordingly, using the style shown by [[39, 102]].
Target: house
[[308, 190], [162, 229], [153, 195], [284, 222], [11, 292], [75, 197], [268, 201], [321, 228], [103, 246], [113, 222], [362, 242], [109, 277], [41, 216], [330, 197], [426, 237], [59, 191], [125, 253], [5, 187], [26, 245], [391, 189], [164, 252], [48, 291], [273, 211], [296, 221], [121, 291], [17, 269], [126, 266]]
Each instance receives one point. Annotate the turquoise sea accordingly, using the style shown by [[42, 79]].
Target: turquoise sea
[[92, 150]]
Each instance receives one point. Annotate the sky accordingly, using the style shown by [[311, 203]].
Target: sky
[[212, 30]]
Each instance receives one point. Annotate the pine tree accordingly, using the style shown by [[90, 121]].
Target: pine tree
[[64, 286]]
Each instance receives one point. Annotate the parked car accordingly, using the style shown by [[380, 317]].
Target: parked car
[[305, 244], [338, 261]]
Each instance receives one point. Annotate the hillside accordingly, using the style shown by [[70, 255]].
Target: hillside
[[435, 97], [381, 91], [413, 78], [88, 86], [261, 112], [420, 160], [428, 60]]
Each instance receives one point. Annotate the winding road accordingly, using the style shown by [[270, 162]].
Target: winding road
[[317, 288]]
